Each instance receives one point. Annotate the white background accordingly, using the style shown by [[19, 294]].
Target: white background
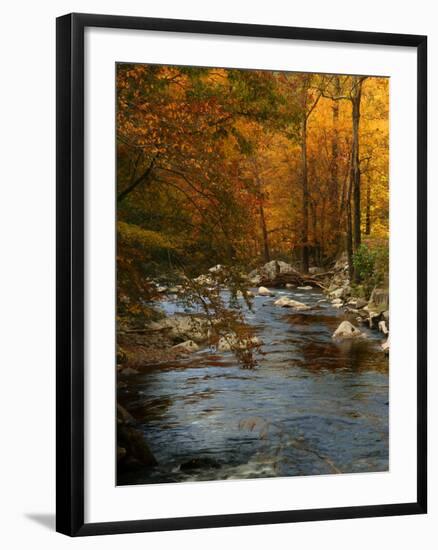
[[28, 284], [104, 501]]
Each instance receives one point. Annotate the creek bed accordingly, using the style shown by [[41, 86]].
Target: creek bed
[[311, 406]]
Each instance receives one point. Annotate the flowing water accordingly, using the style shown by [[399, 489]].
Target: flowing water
[[311, 406]]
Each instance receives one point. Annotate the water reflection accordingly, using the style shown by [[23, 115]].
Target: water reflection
[[312, 406]]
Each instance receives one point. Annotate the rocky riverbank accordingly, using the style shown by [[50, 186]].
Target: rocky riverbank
[[187, 408], [169, 337]]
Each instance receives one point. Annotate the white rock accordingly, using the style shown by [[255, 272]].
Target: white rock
[[204, 280], [289, 285], [307, 287], [285, 301], [273, 268], [338, 293], [215, 268], [184, 326], [336, 301], [357, 303], [263, 291], [346, 331], [230, 342], [372, 315], [385, 346], [189, 346], [382, 327]]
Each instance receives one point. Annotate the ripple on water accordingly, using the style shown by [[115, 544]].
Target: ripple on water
[[312, 406]]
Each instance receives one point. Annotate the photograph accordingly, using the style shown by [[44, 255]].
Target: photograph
[[252, 230]]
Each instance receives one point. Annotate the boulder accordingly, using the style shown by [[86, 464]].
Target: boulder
[[136, 449], [382, 327], [289, 285], [274, 268], [336, 301], [285, 301], [385, 346], [231, 341], [204, 280], [254, 277], [132, 448], [123, 416], [373, 317], [189, 346], [337, 293], [263, 291], [184, 327], [270, 271], [347, 331], [357, 303]]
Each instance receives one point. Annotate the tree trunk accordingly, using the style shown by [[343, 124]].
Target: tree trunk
[[337, 193], [322, 232], [368, 209], [349, 234], [305, 203], [266, 252], [355, 172], [334, 172]]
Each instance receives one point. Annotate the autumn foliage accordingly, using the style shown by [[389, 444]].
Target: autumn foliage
[[237, 167]]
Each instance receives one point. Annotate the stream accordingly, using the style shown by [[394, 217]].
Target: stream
[[311, 406]]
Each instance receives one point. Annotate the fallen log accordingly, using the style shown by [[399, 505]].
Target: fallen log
[[291, 278]]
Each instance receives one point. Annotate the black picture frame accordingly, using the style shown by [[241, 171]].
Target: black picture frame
[[70, 273]]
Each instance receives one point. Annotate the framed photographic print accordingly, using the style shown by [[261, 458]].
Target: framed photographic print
[[241, 274]]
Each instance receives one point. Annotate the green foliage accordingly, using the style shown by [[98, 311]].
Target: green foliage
[[371, 265], [135, 236]]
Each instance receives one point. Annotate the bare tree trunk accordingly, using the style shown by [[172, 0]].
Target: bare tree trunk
[[261, 198], [349, 233], [266, 251], [322, 233], [305, 202], [334, 172], [334, 168], [355, 173], [368, 209]]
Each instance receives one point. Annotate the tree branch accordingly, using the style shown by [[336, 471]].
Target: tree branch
[[146, 174]]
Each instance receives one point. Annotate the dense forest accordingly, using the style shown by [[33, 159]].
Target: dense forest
[[252, 231], [233, 167]]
